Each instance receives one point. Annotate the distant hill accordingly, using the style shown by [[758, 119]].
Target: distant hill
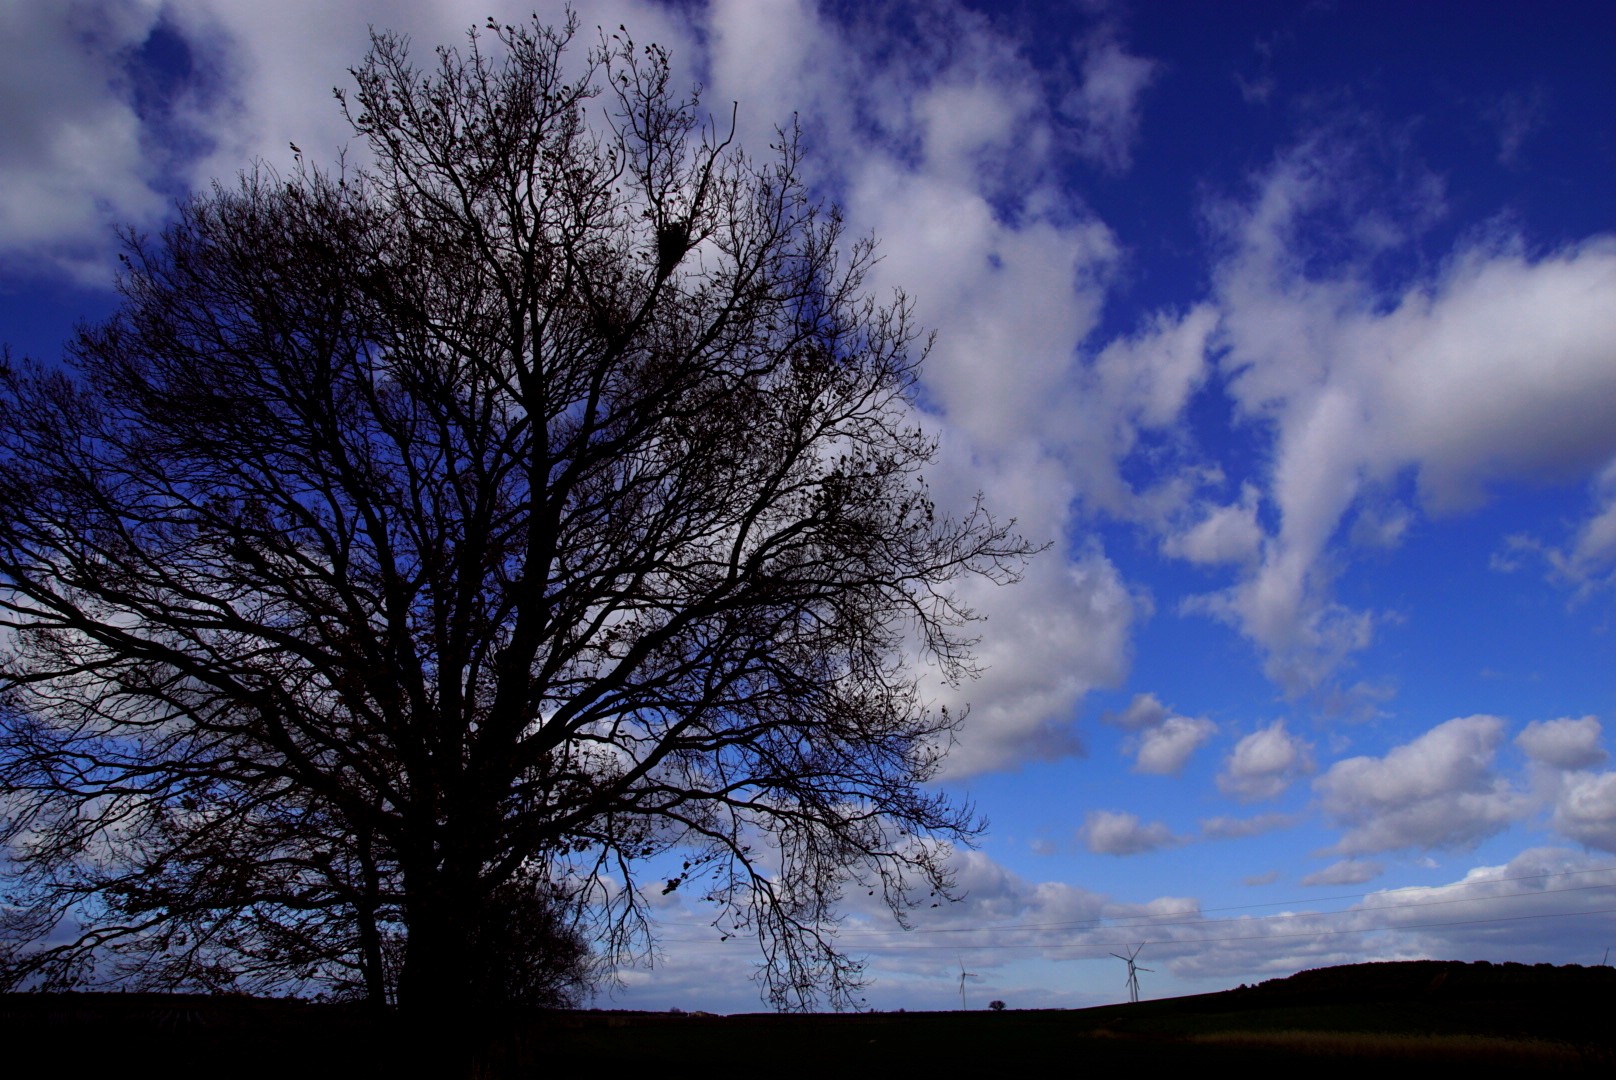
[[1433, 979], [1537, 1010]]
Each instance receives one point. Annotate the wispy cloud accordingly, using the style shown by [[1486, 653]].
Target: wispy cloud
[[1106, 105], [1488, 367], [1233, 828], [1345, 872]]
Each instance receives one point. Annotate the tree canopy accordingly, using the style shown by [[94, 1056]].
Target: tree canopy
[[428, 548]]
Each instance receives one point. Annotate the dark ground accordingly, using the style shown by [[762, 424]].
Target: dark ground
[[1392, 1019]]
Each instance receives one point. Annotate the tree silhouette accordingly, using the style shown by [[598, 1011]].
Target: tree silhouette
[[425, 552]]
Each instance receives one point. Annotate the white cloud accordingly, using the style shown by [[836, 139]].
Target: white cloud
[[1144, 712], [1345, 872], [1496, 363], [1018, 934], [1438, 791], [1150, 376], [1381, 525], [1586, 810], [1161, 740], [1593, 547], [1491, 910], [914, 143], [1136, 386], [767, 53], [75, 156], [1009, 303], [1164, 750], [994, 894], [1021, 935], [1106, 106], [1047, 642], [1011, 294], [92, 137], [1233, 828], [1284, 607], [1107, 832], [1265, 763], [1533, 909], [1004, 921], [1223, 534], [286, 58], [1564, 753], [1495, 366], [1588, 560], [1563, 743]]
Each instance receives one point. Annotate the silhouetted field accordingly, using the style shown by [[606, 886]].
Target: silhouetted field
[[1394, 1019]]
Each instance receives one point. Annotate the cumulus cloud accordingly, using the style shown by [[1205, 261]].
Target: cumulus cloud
[[1107, 832], [1046, 643], [1128, 400], [1533, 909], [1537, 907], [1586, 810], [1161, 740], [1000, 922], [1563, 743], [1437, 791], [1564, 754], [1489, 910], [994, 894], [1265, 763], [1165, 749]]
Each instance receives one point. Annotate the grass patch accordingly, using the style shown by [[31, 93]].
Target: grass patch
[[1457, 1050]]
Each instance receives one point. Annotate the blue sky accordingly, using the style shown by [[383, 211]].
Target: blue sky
[[1291, 327]]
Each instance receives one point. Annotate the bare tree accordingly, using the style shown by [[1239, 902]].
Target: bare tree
[[429, 545]]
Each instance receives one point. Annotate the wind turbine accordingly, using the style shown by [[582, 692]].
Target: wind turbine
[[963, 976], [1133, 970]]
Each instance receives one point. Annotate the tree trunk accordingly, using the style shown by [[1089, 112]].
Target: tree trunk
[[371, 964], [437, 977]]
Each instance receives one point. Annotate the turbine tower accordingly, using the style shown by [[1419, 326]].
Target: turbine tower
[[963, 976], [1133, 970]]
